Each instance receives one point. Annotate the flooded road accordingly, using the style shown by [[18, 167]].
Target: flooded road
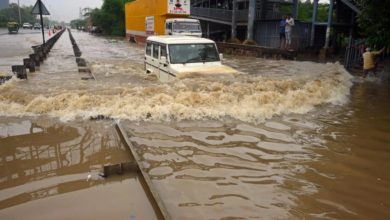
[[330, 164], [281, 140]]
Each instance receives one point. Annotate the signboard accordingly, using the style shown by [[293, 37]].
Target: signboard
[[181, 7], [149, 25], [35, 9]]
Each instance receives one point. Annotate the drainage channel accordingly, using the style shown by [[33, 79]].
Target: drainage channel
[[136, 166]]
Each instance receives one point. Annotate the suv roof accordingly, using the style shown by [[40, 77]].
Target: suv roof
[[171, 39]]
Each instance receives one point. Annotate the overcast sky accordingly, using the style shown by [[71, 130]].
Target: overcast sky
[[64, 10], [67, 10]]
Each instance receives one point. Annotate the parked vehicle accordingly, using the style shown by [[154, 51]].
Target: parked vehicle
[[37, 26], [96, 30], [164, 17], [13, 27], [183, 26], [169, 57], [27, 26]]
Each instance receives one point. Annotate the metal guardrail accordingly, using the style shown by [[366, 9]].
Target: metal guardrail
[[354, 53]]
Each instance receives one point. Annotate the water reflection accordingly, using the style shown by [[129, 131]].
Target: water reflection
[[42, 158]]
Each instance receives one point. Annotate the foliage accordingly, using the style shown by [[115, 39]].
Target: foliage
[[77, 23], [111, 17], [374, 22], [12, 14], [305, 11]]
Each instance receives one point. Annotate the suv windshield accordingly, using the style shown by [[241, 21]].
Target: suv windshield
[[192, 53], [186, 27]]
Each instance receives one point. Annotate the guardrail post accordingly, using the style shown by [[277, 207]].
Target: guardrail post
[[28, 63], [19, 71]]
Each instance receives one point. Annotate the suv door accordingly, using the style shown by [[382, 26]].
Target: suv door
[[155, 58], [148, 58], [164, 65]]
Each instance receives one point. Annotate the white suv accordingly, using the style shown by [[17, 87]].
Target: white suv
[[169, 57]]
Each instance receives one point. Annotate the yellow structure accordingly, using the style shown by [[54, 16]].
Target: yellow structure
[[147, 17]]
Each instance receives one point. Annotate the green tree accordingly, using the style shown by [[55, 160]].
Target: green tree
[[111, 17], [12, 14], [374, 22], [305, 11], [77, 23]]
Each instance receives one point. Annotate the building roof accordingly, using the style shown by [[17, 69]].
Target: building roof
[[170, 39]]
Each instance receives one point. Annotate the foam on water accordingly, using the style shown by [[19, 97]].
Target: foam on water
[[246, 97]]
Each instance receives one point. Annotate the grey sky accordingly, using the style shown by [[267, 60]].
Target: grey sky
[[64, 10]]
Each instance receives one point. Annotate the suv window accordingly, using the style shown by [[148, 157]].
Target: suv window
[[163, 51], [149, 49], [155, 50]]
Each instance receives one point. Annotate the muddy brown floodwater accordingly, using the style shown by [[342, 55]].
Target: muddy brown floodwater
[[279, 140]]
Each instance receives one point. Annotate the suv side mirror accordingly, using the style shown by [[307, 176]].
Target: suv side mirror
[[221, 56]]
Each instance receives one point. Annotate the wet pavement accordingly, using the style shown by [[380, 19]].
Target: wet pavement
[[281, 140]]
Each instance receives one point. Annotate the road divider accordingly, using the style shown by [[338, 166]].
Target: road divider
[[81, 62], [34, 60]]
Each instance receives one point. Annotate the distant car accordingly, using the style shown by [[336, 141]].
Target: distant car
[[37, 26], [27, 26], [96, 30]]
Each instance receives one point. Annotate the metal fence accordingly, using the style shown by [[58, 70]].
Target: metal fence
[[354, 53]]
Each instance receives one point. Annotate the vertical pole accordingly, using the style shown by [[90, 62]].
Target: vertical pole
[[40, 15], [328, 26], [295, 9], [208, 29], [313, 22], [347, 63], [251, 19], [20, 16], [234, 20]]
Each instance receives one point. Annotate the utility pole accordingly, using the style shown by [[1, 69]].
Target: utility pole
[[20, 16]]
